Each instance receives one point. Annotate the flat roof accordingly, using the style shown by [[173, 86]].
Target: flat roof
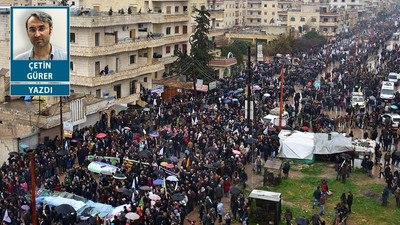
[[266, 195]]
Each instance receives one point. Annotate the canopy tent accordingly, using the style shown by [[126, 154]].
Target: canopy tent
[[303, 145], [296, 145], [337, 143]]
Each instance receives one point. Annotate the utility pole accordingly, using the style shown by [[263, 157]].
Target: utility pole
[[249, 81], [61, 126], [326, 56], [194, 84], [281, 98]]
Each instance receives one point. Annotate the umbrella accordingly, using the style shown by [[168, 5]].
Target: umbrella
[[163, 163], [267, 95], [169, 166], [23, 147], [144, 154], [158, 172], [121, 190], [155, 134], [62, 152], [212, 148], [372, 98], [154, 197], [146, 109], [227, 100], [235, 92], [132, 216], [305, 128], [394, 107], [229, 92], [275, 137], [158, 182], [172, 178], [25, 207], [345, 155], [235, 190], [64, 209], [227, 129], [251, 140], [287, 127], [174, 159], [101, 135], [177, 197], [301, 220], [83, 223], [145, 188], [208, 166], [397, 153], [13, 153], [126, 128], [216, 164], [240, 90], [119, 176], [240, 78], [235, 100], [74, 141], [256, 87], [236, 152]]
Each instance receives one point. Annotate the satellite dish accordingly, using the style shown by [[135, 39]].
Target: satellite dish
[[230, 55]]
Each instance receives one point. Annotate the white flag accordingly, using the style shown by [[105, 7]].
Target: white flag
[[133, 197], [144, 132], [133, 184], [6, 217], [161, 151], [176, 186], [196, 121]]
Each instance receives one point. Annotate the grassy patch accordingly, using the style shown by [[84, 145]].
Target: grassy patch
[[314, 169]]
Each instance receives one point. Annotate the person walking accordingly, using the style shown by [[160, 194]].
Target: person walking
[[349, 201], [286, 169], [385, 196], [317, 196], [288, 216], [397, 196], [322, 201]]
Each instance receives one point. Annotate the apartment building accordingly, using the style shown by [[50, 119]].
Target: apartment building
[[225, 13], [303, 19], [262, 13]]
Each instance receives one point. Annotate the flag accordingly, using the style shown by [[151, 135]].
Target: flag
[[196, 121], [176, 186], [187, 162], [133, 184], [218, 119], [164, 184], [133, 196], [161, 151], [141, 203], [159, 111], [144, 132], [6, 217]]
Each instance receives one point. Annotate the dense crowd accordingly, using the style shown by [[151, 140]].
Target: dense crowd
[[208, 141]]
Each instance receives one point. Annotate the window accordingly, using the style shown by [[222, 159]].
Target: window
[[273, 5], [71, 65], [176, 29], [326, 20], [217, 24], [265, 5], [72, 37], [132, 59], [325, 29], [292, 19], [302, 19], [185, 8], [313, 19], [343, 0], [259, 20], [145, 80], [251, 21], [98, 93], [273, 13], [176, 9], [132, 87], [117, 88], [185, 29], [265, 21], [168, 30], [265, 13], [259, 13], [168, 49]]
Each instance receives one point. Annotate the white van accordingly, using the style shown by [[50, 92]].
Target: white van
[[393, 77], [273, 117], [357, 99], [387, 91]]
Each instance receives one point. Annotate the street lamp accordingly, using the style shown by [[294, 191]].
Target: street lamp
[[281, 97]]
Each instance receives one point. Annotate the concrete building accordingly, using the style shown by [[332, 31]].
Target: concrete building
[[262, 13]]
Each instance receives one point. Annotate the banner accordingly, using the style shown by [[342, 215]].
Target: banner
[[113, 160], [68, 129]]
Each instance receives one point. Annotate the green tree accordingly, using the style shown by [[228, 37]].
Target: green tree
[[195, 65], [242, 45], [237, 53], [283, 45], [314, 35]]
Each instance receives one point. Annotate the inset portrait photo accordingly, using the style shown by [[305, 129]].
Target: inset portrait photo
[[39, 33]]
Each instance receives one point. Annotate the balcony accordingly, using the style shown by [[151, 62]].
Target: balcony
[[124, 46], [165, 60], [134, 18], [328, 24], [97, 80], [216, 13]]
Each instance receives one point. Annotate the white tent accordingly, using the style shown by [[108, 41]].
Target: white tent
[[296, 145], [337, 143], [303, 145]]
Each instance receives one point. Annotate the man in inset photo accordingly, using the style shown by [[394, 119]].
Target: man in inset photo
[[39, 26]]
